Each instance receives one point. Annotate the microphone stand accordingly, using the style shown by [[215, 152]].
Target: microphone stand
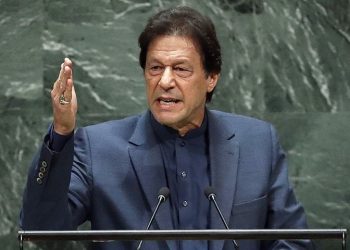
[[209, 192], [163, 195]]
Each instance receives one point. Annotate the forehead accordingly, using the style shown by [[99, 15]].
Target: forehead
[[172, 47]]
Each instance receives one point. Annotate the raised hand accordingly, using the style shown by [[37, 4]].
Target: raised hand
[[64, 100]]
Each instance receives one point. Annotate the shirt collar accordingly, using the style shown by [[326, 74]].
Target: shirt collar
[[164, 132]]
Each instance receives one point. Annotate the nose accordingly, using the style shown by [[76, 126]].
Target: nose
[[167, 80]]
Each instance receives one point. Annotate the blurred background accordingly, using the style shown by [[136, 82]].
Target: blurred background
[[284, 61]]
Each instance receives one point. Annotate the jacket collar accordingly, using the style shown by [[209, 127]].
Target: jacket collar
[[224, 155], [147, 162]]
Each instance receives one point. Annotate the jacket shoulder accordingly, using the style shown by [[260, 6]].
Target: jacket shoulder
[[122, 127], [239, 120]]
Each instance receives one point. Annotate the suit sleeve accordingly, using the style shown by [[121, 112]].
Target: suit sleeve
[[284, 212], [56, 195]]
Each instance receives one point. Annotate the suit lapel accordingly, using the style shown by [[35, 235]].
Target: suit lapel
[[224, 154], [148, 164]]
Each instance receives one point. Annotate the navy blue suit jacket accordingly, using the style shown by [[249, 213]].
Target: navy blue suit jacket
[[110, 174]]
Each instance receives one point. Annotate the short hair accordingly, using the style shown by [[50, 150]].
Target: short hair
[[187, 22]]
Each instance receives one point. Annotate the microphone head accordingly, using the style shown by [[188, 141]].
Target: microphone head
[[164, 192], [209, 192]]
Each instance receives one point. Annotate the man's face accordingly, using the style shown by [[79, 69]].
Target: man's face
[[176, 82]]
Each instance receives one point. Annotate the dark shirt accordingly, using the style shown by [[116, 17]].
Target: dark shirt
[[186, 161]]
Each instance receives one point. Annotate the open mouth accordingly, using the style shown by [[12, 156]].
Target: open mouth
[[167, 101]]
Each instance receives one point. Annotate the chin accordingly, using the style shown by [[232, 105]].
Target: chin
[[166, 119]]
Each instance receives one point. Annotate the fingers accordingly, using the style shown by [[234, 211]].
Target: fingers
[[68, 90], [64, 83], [57, 85], [68, 62], [68, 79], [64, 100]]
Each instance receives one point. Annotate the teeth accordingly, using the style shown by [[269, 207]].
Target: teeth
[[168, 100]]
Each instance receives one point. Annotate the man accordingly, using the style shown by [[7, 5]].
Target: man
[[110, 173]]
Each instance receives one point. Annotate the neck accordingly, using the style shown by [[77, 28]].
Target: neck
[[183, 130]]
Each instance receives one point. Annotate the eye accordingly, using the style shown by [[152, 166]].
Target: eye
[[155, 69], [182, 71]]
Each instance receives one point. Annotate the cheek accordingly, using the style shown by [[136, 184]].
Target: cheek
[[150, 85], [194, 96], [149, 91], [200, 90]]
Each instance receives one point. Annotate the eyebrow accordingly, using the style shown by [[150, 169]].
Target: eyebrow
[[174, 62]]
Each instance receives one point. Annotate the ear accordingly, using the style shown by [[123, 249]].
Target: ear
[[212, 81]]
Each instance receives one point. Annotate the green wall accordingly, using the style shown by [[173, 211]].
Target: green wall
[[285, 61]]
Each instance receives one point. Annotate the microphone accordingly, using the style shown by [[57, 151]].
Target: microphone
[[163, 194], [210, 194]]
